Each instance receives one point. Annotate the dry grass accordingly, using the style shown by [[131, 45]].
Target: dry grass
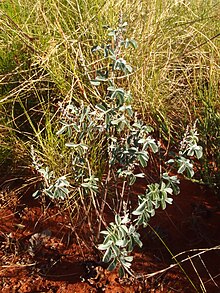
[[45, 57]]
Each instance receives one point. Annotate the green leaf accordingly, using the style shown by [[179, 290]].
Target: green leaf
[[139, 175], [128, 258], [101, 107], [107, 256], [129, 111], [104, 232], [49, 193], [137, 240], [142, 140], [133, 43], [121, 242], [125, 263], [95, 48], [169, 190], [163, 204], [112, 33], [132, 179], [154, 147], [139, 210], [142, 159], [36, 194], [125, 220], [100, 78], [62, 130], [105, 246], [117, 219], [111, 88], [75, 127], [112, 265], [128, 68], [190, 172], [169, 200], [182, 168], [121, 272], [126, 43], [124, 24], [95, 82], [199, 152]]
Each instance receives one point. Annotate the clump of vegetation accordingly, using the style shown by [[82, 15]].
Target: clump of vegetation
[[89, 114], [45, 57], [127, 145]]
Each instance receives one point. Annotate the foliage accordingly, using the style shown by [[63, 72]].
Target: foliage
[[45, 58], [55, 189], [120, 238], [128, 147], [156, 195], [46, 55]]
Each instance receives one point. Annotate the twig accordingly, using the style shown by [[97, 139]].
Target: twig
[[17, 265], [201, 282], [202, 251]]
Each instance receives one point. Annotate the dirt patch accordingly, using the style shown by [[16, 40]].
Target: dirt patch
[[41, 253]]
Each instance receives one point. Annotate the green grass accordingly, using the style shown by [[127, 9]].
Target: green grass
[[45, 57]]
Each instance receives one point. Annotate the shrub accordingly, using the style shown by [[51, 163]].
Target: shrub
[[126, 144]]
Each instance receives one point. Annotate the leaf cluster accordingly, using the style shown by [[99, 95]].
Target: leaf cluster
[[120, 238], [55, 189]]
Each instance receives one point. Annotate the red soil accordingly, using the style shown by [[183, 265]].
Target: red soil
[[40, 252]]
